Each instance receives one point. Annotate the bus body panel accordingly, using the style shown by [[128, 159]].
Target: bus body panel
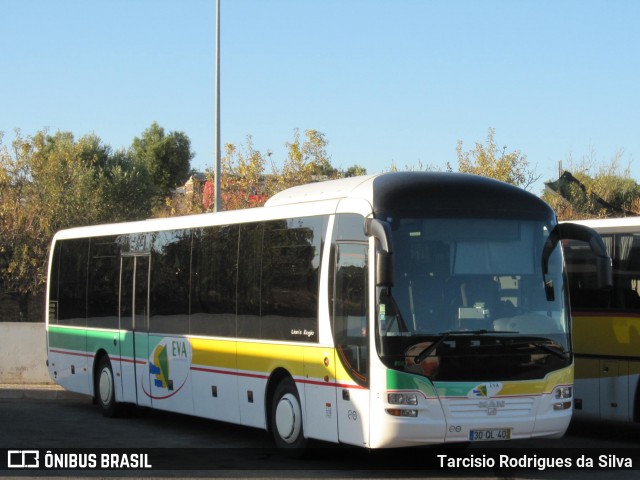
[[68, 360], [606, 334], [320, 386], [231, 378], [215, 380], [449, 412]]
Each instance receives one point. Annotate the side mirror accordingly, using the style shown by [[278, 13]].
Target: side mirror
[[573, 231], [384, 269], [381, 231]]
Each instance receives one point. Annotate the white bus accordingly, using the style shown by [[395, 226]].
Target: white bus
[[387, 310], [606, 325]]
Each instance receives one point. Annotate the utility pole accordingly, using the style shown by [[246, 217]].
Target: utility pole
[[218, 203]]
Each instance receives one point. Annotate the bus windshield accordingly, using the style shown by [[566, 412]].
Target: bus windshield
[[471, 291]]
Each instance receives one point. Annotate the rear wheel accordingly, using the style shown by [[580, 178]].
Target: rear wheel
[[286, 418], [105, 388]]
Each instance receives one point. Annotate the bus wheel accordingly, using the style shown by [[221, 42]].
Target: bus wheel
[[286, 418], [105, 387]]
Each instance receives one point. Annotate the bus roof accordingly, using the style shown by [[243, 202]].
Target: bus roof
[[611, 225], [441, 193], [360, 187], [444, 192]]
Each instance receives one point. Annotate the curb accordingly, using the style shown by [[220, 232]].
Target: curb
[[38, 392]]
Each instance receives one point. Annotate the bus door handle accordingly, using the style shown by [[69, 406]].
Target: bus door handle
[[345, 394]]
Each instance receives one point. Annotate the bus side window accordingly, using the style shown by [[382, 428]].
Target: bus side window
[[214, 274], [170, 281], [626, 271], [582, 275], [72, 282], [103, 283], [350, 309]]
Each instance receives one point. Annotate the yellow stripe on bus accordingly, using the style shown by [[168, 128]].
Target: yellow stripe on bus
[[606, 335]]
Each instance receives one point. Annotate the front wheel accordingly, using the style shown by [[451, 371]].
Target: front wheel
[[105, 388], [286, 418]]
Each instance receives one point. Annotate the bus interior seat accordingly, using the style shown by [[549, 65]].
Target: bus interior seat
[[479, 301]]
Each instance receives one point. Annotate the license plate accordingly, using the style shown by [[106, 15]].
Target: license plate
[[490, 434]]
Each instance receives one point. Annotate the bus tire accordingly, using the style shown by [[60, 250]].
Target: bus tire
[[286, 419], [105, 388]]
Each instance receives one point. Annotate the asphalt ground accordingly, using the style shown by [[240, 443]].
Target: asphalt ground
[[40, 391], [46, 417]]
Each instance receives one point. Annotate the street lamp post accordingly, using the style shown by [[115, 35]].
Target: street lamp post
[[217, 203]]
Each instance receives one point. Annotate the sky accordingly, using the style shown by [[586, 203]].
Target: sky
[[387, 82]]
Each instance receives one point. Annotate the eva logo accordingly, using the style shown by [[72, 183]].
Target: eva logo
[[485, 390], [169, 367]]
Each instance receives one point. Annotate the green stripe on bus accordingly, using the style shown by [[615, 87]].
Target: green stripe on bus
[[397, 380], [97, 340], [86, 341], [68, 338]]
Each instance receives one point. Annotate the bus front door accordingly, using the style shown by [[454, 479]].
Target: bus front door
[[134, 326], [351, 337]]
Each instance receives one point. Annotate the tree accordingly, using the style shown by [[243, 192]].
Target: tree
[[167, 158], [51, 182], [245, 181], [306, 162], [490, 161], [354, 171], [44, 186], [591, 189], [127, 190]]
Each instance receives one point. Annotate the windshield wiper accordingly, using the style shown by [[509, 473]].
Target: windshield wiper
[[443, 336], [560, 353]]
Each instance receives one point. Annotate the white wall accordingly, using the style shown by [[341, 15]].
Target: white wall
[[23, 353]]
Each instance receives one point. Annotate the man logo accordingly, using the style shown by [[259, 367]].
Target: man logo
[[23, 459]]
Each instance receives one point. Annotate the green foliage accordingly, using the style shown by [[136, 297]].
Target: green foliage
[[594, 190], [51, 182], [355, 171], [306, 162], [242, 182], [490, 161], [167, 158], [45, 185], [246, 183]]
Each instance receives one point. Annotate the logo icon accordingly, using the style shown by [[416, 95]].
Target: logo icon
[[23, 459], [169, 367], [485, 390]]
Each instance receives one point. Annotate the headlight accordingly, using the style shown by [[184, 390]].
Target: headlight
[[563, 392], [402, 398], [402, 412]]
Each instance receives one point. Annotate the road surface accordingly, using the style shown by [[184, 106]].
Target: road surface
[[184, 446]]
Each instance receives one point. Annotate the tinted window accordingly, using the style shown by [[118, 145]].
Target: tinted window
[[349, 226], [170, 281], [249, 268], [290, 269], [350, 309], [71, 292], [104, 266], [626, 270], [54, 274], [213, 281], [624, 250]]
